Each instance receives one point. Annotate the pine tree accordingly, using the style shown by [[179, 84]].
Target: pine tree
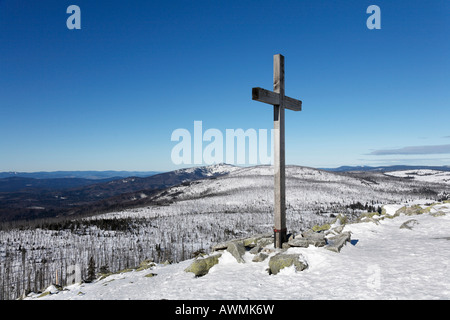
[[91, 270]]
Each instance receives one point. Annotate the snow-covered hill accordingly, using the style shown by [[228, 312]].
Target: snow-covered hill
[[423, 175], [193, 216], [307, 189], [383, 261]]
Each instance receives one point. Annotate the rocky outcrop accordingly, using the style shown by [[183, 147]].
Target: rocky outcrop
[[329, 236]]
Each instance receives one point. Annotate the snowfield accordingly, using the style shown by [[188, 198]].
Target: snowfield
[[423, 175], [383, 261]]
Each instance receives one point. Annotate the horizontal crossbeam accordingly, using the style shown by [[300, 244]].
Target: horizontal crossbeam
[[273, 98]]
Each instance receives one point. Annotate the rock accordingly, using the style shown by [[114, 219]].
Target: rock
[[367, 219], [437, 214], [260, 257], [257, 239], [237, 250], [410, 211], [261, 239], [283, 260], [310, 234], [265, 241], [308, 237], [409, 224], [336, 243], [285, 246], [305, 242], [299, 242], [323, 227], [268, 250], [220, 246], [256, 250], [334, 231], [201, 266], [150, 275], [146, 264]]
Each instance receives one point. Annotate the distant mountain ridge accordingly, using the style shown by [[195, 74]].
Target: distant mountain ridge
[[14, 183], [78, 174], [29, 198]]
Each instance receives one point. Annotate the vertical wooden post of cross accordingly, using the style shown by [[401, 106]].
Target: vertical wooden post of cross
[[279, 101], [279, 161]]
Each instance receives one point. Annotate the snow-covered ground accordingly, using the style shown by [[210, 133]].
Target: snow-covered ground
[[423, 175], [382, 262]]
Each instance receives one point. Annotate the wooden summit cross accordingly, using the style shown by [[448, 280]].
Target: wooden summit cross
[[279, 102]]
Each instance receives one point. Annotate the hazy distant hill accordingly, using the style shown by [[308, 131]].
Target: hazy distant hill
[[78, 174], [28, 198], [14, 184]]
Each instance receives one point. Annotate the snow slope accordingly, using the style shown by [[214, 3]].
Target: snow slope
[[386, 262], [426, 175]]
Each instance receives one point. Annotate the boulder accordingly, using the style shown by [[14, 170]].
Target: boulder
[[310, 234], [334, 230], [220, 246], [283, 260], [265, 241], [437, 213], [305, 242], [336, 243], [261, 239], [409, 224], [256, 250], [237, 250], [201, 266], [151, 275], [260, 257], [410, 211], [307, 238]]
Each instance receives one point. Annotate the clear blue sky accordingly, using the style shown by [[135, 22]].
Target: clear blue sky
[[109, 96]]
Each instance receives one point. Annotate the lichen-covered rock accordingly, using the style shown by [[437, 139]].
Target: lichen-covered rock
[[409, 224], [410, 211], [437, 213], [237, 250], [323, 227], [284, 260], [151, 275], [201, 266], [265, 241], [369, 217], [146, 264]]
